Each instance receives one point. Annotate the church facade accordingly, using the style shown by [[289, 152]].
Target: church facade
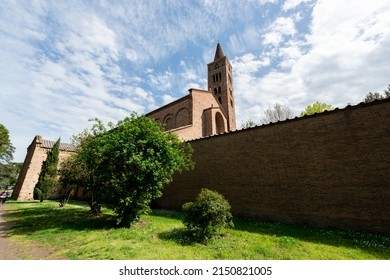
[[203, 113]]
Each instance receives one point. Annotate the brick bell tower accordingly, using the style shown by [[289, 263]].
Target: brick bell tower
[[220, 83]]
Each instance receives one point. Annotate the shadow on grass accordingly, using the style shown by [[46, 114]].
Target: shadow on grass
[[31, 218], [34, 216], [171, 214], [178, 235], [376, 244]]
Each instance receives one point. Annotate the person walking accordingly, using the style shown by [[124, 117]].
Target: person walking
[[3, 197]]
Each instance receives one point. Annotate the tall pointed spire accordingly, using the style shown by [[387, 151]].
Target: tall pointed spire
[[220, 84], [218, 53]]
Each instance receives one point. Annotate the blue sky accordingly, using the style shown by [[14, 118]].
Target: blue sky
[[64, 62]]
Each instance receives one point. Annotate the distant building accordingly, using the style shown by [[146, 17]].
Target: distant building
[[36, 155]]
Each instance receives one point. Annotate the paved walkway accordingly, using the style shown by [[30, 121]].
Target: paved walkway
[[11, 251]]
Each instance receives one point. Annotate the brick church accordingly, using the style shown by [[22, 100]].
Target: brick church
[[203, 113], [199, 114]]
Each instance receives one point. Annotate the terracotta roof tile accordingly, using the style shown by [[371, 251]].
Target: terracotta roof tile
[[63, 146]]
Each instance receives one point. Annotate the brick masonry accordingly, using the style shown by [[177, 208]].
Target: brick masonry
[[193, 116], [32, 165], [326, 170]]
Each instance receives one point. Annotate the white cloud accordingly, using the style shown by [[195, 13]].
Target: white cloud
[[249, 64], [341, 60], [161, 82], [253, 93], [70, 76], [292, 4], [95, 36], [343, 41], [273, 38], [276, 32], [284, 25], [168, 99], [249, 39], [290, 54], [192, 85], [131, 55], [189, 75], [268, 1]]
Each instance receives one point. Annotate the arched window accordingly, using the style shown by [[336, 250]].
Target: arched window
[[183, 117], [219, 123], [169, 122]]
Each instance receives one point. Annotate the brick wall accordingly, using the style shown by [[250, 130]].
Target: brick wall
[[326, 170], [190, 116], [175, 111], [205, 108], [32, 165]]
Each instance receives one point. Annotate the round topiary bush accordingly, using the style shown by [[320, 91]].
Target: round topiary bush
[[207, 215]]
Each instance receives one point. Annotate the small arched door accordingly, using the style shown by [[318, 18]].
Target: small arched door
[[219, 123]]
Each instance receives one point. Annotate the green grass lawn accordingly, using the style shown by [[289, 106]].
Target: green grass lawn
[[74, 232]]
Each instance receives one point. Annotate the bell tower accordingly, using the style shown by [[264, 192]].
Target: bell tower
[[220, 83]]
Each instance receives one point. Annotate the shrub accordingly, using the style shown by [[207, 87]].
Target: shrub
[[207, 215]]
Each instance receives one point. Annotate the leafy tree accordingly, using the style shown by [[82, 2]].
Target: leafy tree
[[72, 175], [47, 180], [6, 148], [89, 161], [316, 108], [387, 91], [130, 163], [9, 173], [277, 113], [372, 96], [248, 124], [207, 215], [7, 168]]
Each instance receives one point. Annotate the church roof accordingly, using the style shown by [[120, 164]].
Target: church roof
[[63, 146], [218, 53]]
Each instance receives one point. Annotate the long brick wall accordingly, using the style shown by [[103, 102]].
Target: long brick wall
[[327, 170]]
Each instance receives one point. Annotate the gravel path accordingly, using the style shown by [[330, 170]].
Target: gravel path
[[9, 250]]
